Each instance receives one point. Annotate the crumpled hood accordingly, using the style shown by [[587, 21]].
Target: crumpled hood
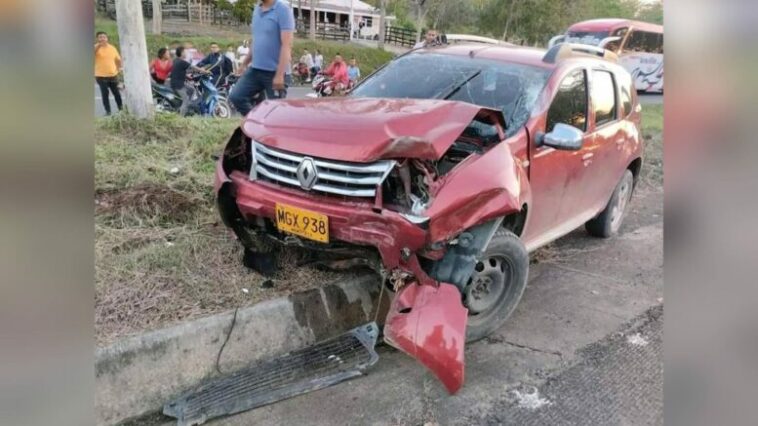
[[361, 129]]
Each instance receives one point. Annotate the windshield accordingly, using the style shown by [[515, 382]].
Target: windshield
[[507, 87], [592, 38]]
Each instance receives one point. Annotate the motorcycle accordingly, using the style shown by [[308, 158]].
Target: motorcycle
[[323, 86], [225, 87], [301, 73], [206, 100]]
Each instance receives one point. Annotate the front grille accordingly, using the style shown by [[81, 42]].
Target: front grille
[[324, 364], [332, 177]]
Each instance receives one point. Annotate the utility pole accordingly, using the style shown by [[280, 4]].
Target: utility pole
[[352, 17], [157, 17], [382, 22], [312, 29], [131, 34]]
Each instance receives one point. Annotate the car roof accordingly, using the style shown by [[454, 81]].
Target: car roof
[[608, 23], [503, 53], [511, 54]]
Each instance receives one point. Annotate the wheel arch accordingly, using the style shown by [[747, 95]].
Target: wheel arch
[[635, 167], [516, 221]]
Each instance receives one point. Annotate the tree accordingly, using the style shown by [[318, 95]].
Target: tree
[[243, 10], [131, 34], [421, 7], [157, 17], [652, 12]]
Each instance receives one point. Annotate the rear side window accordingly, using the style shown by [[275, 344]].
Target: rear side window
[[603, 97], [570, 103]]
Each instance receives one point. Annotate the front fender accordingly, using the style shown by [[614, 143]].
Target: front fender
[[491, 185]]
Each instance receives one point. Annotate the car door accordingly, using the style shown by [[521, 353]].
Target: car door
[[602, 149], [555, 174]]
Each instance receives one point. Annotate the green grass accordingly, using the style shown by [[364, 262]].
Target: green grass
[[161, 254], [652, 119], [652, 132], [368, 59]]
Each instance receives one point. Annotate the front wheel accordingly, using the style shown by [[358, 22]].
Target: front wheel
[[222, 109], [497, 284]]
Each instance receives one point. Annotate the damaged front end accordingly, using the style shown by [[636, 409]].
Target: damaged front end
[[403, 195]]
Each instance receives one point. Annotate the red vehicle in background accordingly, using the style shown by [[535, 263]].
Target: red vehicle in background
[[444, 181], [639, 46]]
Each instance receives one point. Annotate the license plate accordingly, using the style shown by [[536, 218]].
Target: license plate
[[305, 223]]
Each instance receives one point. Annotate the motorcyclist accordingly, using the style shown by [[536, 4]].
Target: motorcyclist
[[178, 78], [218, 64], [337, 70]]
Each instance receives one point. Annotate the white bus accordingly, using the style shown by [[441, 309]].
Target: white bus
[[639, 46]]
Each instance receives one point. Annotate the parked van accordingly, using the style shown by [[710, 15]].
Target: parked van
[[639, 46]]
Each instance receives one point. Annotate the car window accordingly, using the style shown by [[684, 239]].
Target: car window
[[603, 97], [507, 87], [624, 81], [570, 103]]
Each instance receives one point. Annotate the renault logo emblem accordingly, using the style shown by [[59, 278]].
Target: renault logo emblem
[[307, 173]]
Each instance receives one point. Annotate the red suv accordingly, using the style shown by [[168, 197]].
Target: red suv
[[443, 169]]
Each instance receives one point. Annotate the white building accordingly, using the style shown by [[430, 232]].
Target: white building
[[338, 12]]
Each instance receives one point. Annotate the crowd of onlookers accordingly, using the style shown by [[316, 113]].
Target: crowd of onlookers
[[343, 74], [172, 63]]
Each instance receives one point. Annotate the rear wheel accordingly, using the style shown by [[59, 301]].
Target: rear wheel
[[608, 222], [496, 286]]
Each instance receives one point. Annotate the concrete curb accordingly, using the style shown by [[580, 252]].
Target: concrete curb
[[137, 375]]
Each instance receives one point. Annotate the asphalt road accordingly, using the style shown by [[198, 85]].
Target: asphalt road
[[651, 99]]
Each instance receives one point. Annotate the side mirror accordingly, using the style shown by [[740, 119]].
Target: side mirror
[[563, 137]]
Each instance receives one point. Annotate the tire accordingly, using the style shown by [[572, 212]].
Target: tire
[[222, 109], [608, 222], [496, 287]]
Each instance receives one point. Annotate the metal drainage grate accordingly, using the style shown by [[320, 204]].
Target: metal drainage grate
[[315, 367]]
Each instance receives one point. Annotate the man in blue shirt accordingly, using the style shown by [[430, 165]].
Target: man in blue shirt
[[273, 27]]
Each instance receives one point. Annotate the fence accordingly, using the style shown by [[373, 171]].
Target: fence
[[324, 31], [175, 11], [400, 36]]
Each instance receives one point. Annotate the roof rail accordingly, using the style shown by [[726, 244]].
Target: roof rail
[[562, 51], [465, 38]]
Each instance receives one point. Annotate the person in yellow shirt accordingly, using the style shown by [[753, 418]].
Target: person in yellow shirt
[[107, 67]]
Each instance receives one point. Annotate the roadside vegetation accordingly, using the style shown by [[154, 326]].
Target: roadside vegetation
[[652, 131], [161, 253]]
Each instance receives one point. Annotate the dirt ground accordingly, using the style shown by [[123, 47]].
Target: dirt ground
[[163, 257]]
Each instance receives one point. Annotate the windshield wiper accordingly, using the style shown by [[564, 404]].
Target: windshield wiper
[[456, 87]]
